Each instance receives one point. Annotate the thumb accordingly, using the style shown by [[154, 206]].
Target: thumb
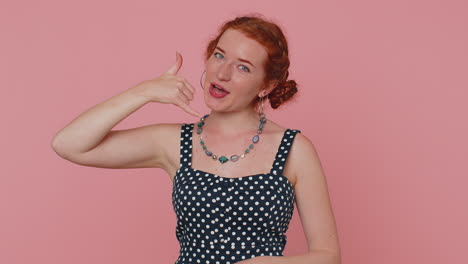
[[175, 68]]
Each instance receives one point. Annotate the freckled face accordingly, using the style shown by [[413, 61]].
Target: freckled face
[[237, 65]]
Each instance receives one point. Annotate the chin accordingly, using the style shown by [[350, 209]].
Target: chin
[[214, 103], [216, 107]]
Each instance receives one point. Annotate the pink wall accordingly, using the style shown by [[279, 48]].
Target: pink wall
[[383, 93]]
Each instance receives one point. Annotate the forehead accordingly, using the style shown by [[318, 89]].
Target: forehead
[[237, 45]]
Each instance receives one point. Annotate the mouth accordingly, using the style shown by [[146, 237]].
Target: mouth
[[218, 87]]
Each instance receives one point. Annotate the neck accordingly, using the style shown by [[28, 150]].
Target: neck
[[232, 123]]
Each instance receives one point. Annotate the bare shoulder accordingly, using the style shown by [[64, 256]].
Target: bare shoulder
[[304, 157], [291, 165], [302, 152], [165, 133], [167, 136], [303, 149]]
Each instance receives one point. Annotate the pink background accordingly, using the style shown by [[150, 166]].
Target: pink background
[[383, 91]]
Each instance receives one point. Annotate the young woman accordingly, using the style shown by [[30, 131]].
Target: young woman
[[236, 174]]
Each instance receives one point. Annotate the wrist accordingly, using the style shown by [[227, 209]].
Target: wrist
[[138, 91]]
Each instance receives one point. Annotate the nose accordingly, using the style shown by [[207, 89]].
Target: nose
[[224, 71]]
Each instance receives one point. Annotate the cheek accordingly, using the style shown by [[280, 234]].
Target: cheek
[[248, 91], [252, 85], [212, 63]]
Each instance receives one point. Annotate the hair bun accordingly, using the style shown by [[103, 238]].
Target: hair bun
[[282, 93]]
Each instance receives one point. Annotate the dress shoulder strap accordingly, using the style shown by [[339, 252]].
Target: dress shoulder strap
[[186, 144], [283, 151]]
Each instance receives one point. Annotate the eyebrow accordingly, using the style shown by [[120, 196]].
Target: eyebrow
[[238, 58]]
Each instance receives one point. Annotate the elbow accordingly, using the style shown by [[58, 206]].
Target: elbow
[[59, 149], [55, 146]]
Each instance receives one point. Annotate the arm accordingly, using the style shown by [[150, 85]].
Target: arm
[[90, 127], [314, 205], [314, 208], [87, 140]]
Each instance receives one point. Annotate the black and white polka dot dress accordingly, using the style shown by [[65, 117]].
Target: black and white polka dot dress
[[227, 220]]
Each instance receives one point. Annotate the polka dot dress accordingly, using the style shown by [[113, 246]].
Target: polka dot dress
[[224, 220]]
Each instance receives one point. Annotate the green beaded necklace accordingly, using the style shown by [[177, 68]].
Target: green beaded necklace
[[234, 158]]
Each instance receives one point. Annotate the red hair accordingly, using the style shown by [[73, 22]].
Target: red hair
[[276, 67]]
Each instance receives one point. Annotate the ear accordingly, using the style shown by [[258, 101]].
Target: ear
[[271, 85]]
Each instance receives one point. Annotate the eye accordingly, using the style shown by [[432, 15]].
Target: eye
[[246, 69], [221, 56], [216, 53]]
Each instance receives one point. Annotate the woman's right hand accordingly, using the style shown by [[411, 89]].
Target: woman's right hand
[[170, 89]]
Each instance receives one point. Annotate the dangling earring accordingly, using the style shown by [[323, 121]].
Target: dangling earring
[[201, 80], [261, 105], [261, 116]]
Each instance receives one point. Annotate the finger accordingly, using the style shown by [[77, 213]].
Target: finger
[[188, 109], [187, 93], [189, 86], [176, 67]]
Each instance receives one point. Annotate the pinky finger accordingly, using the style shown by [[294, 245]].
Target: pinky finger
[[185, 106]]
